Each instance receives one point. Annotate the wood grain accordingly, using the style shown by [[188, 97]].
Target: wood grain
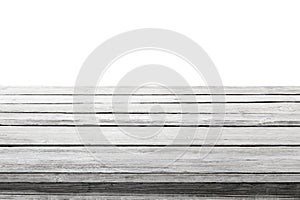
[[89, 196], [238, 108], [146, 159], [146, 99], [92, 177], [228, 120], [28, 135], [290, 90], [257, 154], [193, 189]]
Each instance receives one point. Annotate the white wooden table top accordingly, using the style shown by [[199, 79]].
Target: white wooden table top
[[257, 153]]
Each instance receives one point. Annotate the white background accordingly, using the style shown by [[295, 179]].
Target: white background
[[251, 42]]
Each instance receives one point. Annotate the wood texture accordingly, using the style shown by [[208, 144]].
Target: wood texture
[[95, 177], [233, 108], [257, 154], [257, 90], [194, 189], [135, 120], [150, 159], [141, 197], [251, 136], [147, 99]]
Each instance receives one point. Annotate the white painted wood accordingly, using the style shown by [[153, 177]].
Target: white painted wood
[[146, 159], [150, 99], [167, 136], [11, 119], [250, 108], [153, 90], [39, 148], [148, 178]]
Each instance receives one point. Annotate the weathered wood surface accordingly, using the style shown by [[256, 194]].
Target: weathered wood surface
[[154, 177], [233, 108], [181, 120], [159, 189], [139, 197], [257, 154], [290, 90], [147, 99], [125, 159], [259, 136]]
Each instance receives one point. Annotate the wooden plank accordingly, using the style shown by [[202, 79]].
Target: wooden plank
[[148, 99], [168, 136], [139, 197], [149, 177], [153, 90], [247, 108], [151, 159], [278, 190], [262, 157], [230, 120], [131, 197]]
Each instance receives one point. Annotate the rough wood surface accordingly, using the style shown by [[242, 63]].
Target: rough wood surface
[[147, 99], [95, 177], [142, 197], [245, 108], [257, 154], [194, 189], [153, 90], [151, 159], [135, 120], [259, 136]]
